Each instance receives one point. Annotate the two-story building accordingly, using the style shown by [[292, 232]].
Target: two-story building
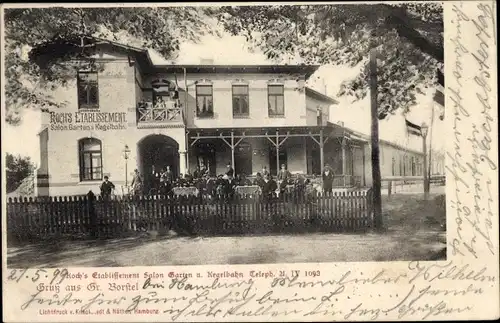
[[127, 113]]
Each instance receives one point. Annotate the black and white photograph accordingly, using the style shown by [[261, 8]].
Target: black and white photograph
[[224, 134]]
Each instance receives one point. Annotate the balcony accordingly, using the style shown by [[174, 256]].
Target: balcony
[[160, 114]]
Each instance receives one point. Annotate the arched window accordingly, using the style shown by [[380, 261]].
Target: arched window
[[90, 153]]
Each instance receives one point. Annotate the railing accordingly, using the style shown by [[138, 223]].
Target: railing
[[159, 112], [402, 184], [346, 181], [29, 220]]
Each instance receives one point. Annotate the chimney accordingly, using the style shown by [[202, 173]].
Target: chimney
[[206, 61]]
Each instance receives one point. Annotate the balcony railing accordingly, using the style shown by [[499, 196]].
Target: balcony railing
[[162, 112]]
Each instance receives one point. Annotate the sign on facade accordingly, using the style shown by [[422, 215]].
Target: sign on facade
[[88, 121]]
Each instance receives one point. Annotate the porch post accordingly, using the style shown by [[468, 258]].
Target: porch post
[[232, 150], [277, 153], [187, 148], [343, 160], [182, 162], [321, 152]]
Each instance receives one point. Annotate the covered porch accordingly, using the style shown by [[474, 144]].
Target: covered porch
[[303, 150]]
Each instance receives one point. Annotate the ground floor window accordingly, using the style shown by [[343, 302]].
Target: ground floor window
[[90, 151]]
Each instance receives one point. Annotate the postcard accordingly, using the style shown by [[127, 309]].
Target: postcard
[[208, 162]]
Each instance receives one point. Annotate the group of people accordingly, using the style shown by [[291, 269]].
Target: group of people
[[164, 181]]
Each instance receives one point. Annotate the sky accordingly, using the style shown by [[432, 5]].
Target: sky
[[227, 50]]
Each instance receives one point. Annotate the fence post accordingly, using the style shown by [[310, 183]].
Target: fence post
[[92, 214]]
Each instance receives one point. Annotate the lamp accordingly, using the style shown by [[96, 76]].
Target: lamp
[[424, 128], [126, 152]]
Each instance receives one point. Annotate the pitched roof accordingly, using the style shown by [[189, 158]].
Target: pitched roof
[[320, 96], [306, 70]]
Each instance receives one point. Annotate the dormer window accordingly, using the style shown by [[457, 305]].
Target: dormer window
[[88, 90]]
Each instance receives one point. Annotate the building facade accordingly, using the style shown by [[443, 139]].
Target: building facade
[[126, 113]]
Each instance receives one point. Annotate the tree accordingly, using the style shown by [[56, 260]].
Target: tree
[[17, 169], [409, 42], [404, 43], [40, 44]]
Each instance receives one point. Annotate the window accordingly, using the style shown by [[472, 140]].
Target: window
[[275, 94], [240, 100], [88, 90], [90, 159], [413, 166], [393, 166], [204, 101]]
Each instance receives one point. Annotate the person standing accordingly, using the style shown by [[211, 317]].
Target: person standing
[[168, 176], [107, 188], [283, 178], [259, 180], [327, 180], [264, 171], [230, 170], [136, 183], [269, 187]]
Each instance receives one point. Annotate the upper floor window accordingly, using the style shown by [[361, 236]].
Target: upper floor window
[[204, 101], [90, 151], [276, 101], [88, 90], [240, 100]]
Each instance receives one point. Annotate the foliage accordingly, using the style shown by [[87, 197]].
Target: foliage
[[30, 32], [17, 168], [409, 39]]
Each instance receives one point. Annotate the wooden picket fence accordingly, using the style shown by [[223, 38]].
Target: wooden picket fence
[[33, 219]]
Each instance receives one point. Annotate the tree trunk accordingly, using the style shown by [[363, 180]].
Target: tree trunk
[[376, 177]]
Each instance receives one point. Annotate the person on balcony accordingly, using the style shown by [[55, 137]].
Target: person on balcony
[[136, 183], [327, 180]]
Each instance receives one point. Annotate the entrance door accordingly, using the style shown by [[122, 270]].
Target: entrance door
[[205, 154], [243, 159], [158, 152]]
